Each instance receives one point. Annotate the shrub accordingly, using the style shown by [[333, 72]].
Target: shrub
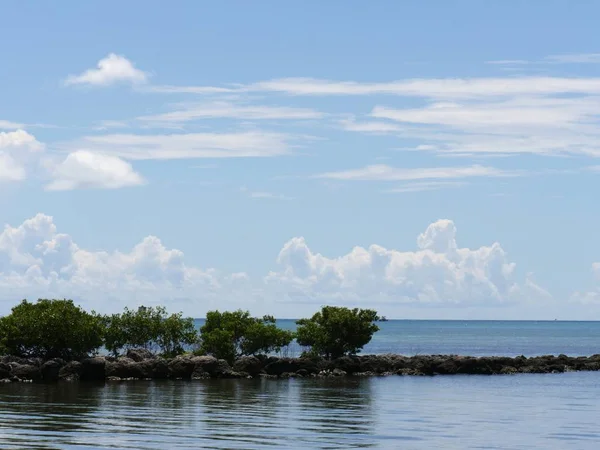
[[50, 329], [149, 328], [336, 331], [228, 335]]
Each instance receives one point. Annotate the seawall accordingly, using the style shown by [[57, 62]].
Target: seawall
[[141, 364]]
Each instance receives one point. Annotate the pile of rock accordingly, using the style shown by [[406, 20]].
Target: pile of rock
[[142, 364]]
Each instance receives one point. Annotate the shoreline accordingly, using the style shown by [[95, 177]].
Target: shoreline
[[142, 365]]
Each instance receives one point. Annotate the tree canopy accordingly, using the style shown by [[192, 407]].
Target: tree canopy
[[50, 329], [228, 335], [336, 331]]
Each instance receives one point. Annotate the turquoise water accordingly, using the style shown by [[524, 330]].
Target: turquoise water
[[558, 411], [478, 338]]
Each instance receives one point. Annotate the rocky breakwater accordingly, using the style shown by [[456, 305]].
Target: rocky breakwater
[[143, 365]]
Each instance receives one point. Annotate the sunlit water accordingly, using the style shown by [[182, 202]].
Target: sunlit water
[[452, 412], [558, 411], [478, 338]]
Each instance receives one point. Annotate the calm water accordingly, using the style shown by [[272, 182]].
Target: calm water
[[509, 412], [454, 412], [479, 338]]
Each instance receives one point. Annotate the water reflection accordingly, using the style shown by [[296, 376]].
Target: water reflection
[[525, 411]]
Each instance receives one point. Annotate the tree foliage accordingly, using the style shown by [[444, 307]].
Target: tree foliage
[[336, 331], [50, 329], [149, 328], [228, 335]]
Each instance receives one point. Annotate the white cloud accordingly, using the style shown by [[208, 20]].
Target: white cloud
[[382, 172], [7, 125], [84, 169], [18, 149], [187, 145], [426, 186], [456, 88], [111, 69], [577, 58], [38, 261], [262, 194], [233, 111], [438, 273]]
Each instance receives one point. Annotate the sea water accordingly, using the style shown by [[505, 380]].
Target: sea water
[[525, 411]]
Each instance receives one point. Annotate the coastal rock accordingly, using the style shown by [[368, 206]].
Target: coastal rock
[[51, 369], [187, 366], [26, 372], [70, 371], [282, 365], [5, 370], [248, 364], [93, 369], [140, 354]]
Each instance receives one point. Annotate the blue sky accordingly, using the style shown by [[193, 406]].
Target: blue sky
[[430, 161]]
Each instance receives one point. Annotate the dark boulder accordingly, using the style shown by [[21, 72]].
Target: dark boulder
[[51, 369], [26, 371], [248, 364], [70, 371], [349, 364], [282, 365], [5, 370], [93, 369], [140, 354]]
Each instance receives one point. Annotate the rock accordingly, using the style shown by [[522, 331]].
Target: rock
[[249, 364], [5, 370], [281, 365], [51, 369], [26, 371], [70, 371], [181, 367], [338, 373], [349, 364], [140, 354], [93, 369]]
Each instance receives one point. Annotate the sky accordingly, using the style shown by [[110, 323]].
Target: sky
[[430, 160]]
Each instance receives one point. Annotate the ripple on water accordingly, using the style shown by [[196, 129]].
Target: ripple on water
[[522, 411]]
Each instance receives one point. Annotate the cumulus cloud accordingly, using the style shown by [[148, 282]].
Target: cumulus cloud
[[84, 169], [439, 272], [18, 149], [110, 70], [38, 261], [7, 125]]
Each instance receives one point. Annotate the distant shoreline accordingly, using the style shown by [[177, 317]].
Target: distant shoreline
[[142, 365]]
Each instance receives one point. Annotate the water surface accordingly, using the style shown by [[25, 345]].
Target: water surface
[[453, 412]]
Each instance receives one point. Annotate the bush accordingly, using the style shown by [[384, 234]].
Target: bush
[[149, 328], [337, 331], [50, 329], [229, 335]]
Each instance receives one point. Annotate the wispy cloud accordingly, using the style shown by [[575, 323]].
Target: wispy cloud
[[426, 186], [111, 69], [229, 110], [382, 172], [245, 144], [577, 58], [262, 194], [7, 125]]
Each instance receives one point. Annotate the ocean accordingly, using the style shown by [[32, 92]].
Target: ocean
[[550, 411]]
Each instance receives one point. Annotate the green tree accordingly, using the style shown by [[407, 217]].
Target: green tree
[[336, 331], [149, 328], [50, 329], [228, 335]]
